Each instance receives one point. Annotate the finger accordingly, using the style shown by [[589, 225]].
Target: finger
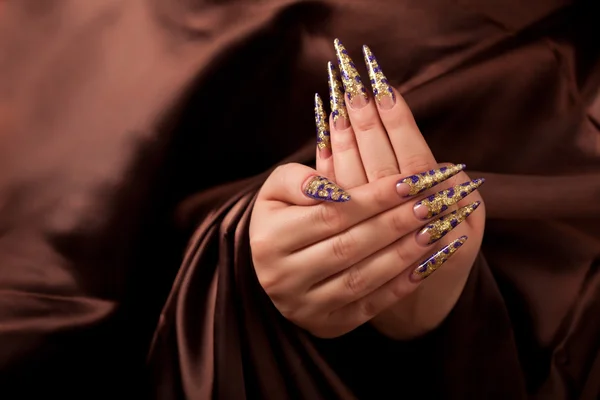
[[324, 157], [346, 157], [446, 199], [297, 184], [357, 244], [394, 290], [338, 285], [375, 149], [409, 145], [314, 224]]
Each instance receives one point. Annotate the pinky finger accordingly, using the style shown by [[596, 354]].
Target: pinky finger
[[363, 310], [324, 156]]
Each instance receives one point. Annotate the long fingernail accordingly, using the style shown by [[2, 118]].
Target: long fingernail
[[382, 90], [323, 139], [321, 188], [430, 265], [441, 226], [439, 202], [336, 98], [355, 90], [415, 184]]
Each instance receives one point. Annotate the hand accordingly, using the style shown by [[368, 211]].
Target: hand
[[329, 267], [385, 138]]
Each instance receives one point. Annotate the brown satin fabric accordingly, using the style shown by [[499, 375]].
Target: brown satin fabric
[[117, 116]]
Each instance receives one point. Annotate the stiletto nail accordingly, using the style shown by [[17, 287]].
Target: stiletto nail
[[323, 139], [426, 180], [355, 90], [430, 265], [382, 90], [441, 226], [321, 188], [336, 98], [440, 201]]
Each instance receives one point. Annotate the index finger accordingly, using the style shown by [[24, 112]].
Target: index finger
[[411, 149]]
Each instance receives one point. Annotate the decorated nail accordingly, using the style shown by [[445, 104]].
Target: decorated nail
[[382, 90], [323, 140], [321, 188], [430, 265], [336, 98], [355, 90], [440, 227], [440, 201], [415, 184]]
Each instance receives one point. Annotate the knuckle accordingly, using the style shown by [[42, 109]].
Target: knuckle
[[402, 256], [399, 291], [380, 196], [417, 163], [291, 314], [401, 119], [397, 223], [270, 282], [343, 246], [260, 247], [342, 143], [365, 125], [330, 216], [354, 281], [383, 171], [368, 309]]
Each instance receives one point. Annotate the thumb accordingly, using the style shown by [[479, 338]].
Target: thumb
[[300, 185]]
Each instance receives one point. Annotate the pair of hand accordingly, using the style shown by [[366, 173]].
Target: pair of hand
[[332, 259]]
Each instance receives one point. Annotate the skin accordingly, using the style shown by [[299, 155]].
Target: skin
[[331, 267]]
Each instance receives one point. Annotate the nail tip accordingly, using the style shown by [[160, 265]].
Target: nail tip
[[436, 260], [321, 188]]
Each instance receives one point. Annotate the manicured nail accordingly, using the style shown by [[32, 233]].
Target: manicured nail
[[323, 139], [336, 98], [355, 90], [441, 226], [415, 184], [321, 188], [382, 90], [430, 265], [439, 202]]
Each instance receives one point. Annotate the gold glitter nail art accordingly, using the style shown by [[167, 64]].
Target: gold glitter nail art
[[440, 201], [430, 265], [323, 139], [441, 226], [321, 188], [379, 83], [336, 94], [350, 78], [426, 180]]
